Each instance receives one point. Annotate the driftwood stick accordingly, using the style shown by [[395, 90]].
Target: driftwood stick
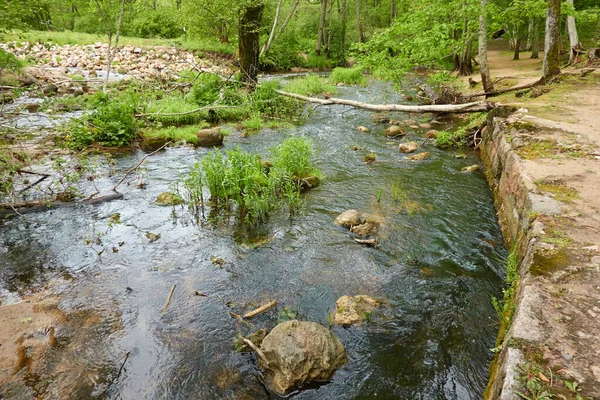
[[138, 165], [126, 356], [257, 350], [261, 309], [441, 108], [368, 242], [164, 310]]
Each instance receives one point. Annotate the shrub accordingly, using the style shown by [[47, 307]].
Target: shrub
[[156, 23], [112, 123], [293, 157], [350, 76], [206, 89], [268, 103]]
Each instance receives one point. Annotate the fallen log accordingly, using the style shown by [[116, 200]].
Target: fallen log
[[478, 106], [27, 207], [261, 309], [512, 89]]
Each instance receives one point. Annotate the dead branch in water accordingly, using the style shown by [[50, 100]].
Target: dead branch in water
[[164, 310], [478, 106], [126, 356], [42, 205], [257, 350], [261, 309], [138, 165]]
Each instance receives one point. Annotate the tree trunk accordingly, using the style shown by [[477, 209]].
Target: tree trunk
[[329, 32], [343, 13], [535, 40], [465, 65], [111, 54], [392, 10], [486, 79], [361, 35], [530, 34], [322, 15], [267, 45], [517, 48], [287, 20], [178, 4], [74, 11], [552, 45], [249, 35], [573, 37], [223, 34]]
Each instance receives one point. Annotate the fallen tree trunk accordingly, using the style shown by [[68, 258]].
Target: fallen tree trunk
[[35, 206], [478, 106], [512, 89]]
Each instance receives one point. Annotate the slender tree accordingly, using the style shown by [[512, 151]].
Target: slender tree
[[486, 79], [573, 37], [272, 34], [552, 41], [359, 28], [249, 35], [321, 28]]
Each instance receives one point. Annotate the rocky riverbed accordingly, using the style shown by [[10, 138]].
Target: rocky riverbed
[[140, 62]]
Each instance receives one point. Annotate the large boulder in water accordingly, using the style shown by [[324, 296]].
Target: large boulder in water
[[299, 353], [408, 147], [354, 310], [209, 137]]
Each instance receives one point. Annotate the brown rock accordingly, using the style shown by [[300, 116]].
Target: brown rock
[[369, 228], [408, 147], [209, 137], [362, 129], [420, 156], [349, 218], [354, 310], [299, 353], [431, 134], [169, 199], [394, 131], [425, 125]]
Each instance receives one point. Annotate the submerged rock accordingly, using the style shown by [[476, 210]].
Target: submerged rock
[[369, 228], [354, 310], [169, 199], [309, 182], [425, 125], [370, 157], [299, 353], [394, 131], [419, 157], [362, 129], [431, 134], [349, 218], [471, 168], [209, 137], [408, 147]]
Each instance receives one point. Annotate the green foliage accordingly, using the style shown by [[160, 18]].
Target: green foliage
[[349, 76], [173, 134], [310, 85], [111, 123], [174, 105], [9, 63], [447, 139], [505, 307], [238, 179], [254, 123], [535, 388], [156, 23], [269, 104], [206, 89]]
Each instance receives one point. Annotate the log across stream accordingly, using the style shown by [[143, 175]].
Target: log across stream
[[435, 268]]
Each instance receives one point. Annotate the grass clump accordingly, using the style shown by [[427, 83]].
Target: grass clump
[[349, 76], [173, 134], [310, 85], [559, 190], [174, 105], [238, 180]]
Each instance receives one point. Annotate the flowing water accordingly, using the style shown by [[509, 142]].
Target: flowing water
[[435, 268]]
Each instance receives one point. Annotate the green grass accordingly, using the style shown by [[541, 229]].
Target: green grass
[[311, 85], [173, 134], [71, 38], [175, 105], [349, 76], [559, 190]]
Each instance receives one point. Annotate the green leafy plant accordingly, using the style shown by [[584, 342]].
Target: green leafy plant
[[349, 76]]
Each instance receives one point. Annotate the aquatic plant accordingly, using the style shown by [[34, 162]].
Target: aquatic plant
[[238, 180], [310, 85]]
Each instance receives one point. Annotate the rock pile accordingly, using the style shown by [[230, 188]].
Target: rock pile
[[150, 63]]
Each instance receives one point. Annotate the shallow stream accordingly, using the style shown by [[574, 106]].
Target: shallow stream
[[435, 268]]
